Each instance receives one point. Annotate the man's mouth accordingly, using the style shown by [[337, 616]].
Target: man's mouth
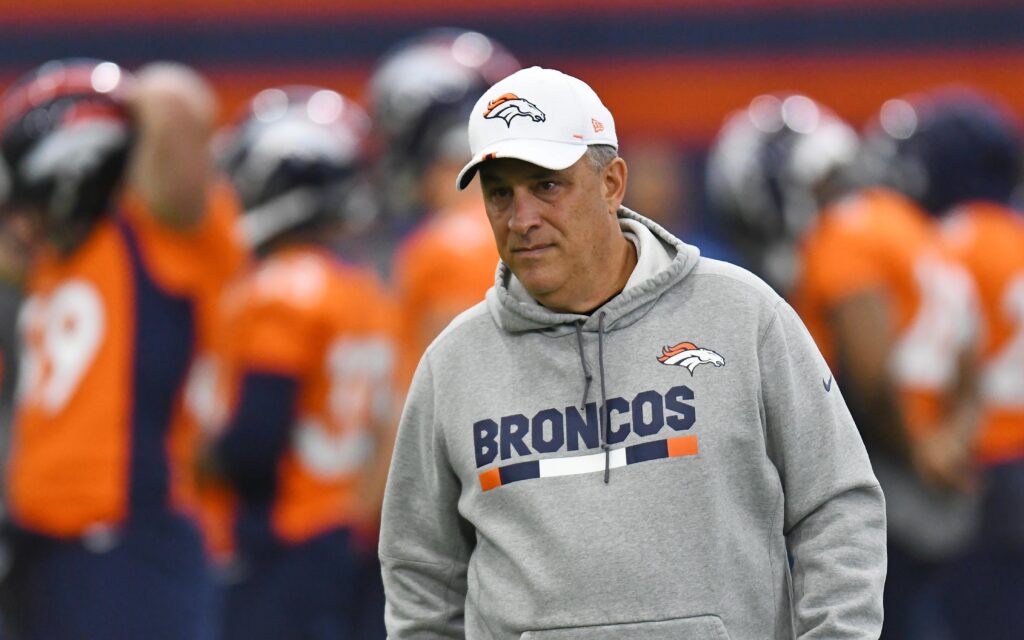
[[532, 250]]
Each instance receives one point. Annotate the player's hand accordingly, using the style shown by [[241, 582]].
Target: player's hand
[[944, 461]]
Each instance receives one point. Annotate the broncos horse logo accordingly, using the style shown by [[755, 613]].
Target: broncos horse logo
[[508, 106], [689, 355]]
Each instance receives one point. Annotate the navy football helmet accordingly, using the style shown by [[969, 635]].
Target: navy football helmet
[[773, 166], [430, 82], [421, 94], [65, 138], [950, 146], [298, 158]]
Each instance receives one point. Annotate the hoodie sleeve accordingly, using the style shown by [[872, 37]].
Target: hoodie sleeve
[[424, 542], [834, 510]]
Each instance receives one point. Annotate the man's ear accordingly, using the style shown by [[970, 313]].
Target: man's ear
[[614, 183]]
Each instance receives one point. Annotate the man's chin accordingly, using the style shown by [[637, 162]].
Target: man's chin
[[540, 289], [536, 284]]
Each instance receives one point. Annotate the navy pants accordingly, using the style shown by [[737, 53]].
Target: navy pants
[[982, 596], [148, 579], [371, 597], [309, 591], [908, 579]]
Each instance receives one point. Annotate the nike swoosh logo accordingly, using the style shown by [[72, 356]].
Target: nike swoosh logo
[[827, 385]]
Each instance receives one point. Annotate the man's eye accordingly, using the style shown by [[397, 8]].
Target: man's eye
[[548, 185], [498, 193]]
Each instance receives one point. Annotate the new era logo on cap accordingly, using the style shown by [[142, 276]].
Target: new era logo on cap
[[541, 116]]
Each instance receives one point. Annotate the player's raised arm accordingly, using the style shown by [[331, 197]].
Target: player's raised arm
[[175, 109]]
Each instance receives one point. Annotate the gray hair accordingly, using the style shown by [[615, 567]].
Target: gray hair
[[601, 155]]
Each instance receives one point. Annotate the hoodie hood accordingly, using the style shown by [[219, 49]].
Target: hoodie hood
[[662, 261]]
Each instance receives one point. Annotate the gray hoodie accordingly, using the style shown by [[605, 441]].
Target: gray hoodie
[[514, 511]]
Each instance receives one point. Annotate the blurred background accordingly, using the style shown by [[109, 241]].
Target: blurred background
[[668, 71], [862, 156]]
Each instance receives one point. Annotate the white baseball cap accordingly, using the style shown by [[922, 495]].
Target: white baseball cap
[[541, 116]]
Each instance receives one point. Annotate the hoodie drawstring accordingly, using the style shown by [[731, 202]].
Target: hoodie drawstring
[[587, 377], [603, 415]]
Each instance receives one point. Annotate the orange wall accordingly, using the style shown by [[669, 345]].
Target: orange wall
[[688, 99]]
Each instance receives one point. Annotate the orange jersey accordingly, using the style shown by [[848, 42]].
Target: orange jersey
[[442, 269], [878, 241], [989, 239], [330, 328], [108, 334], [199, 264]]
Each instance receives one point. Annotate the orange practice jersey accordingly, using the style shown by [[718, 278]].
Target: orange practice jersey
[[989, 239], [331, 328], [108, 336], [877, 240], [444, 268]]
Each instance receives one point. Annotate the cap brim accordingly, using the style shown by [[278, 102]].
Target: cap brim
[[543, 153]]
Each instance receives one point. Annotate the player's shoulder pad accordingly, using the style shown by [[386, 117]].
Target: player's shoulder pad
[[297, 280]]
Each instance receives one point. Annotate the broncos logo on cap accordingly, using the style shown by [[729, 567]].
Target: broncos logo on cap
[[689, 355], [508, 106]]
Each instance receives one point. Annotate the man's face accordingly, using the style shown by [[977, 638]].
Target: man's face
[[29, 228], [20, 236], [554, 229]]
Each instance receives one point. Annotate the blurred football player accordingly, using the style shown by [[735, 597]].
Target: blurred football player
[[959, 154], [305, 371], [661, 185], [16, 249], [421, 95], [97, 484], [890, 312], [770, 170]]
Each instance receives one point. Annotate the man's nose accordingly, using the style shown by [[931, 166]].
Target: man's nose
[[525, 212]]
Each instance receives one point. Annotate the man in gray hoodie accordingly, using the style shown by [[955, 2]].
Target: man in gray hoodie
[[625, 439]]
